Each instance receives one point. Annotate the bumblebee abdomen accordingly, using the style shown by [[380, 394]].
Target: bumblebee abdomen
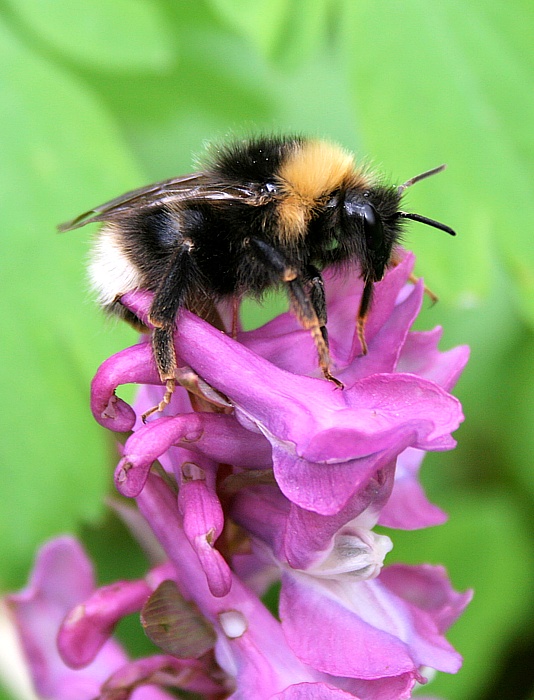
[[111, 271]]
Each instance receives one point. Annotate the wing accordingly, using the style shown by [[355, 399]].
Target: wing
[[196, 187]]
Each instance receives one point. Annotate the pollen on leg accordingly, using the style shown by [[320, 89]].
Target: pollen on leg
[[309, 320], [289, 275], [360, 329], [324, 355]]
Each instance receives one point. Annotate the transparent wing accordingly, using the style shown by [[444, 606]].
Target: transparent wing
[[196, 187]]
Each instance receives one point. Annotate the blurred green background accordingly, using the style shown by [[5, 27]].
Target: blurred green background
[[97, 98]]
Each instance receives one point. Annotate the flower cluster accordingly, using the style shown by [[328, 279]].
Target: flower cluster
[[267, 474]]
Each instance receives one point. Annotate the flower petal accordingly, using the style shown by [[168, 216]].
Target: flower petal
[[135, 364], [392, 625], [310, 611], [408, 507], [61, 579], [388, 340], [88, 626], [420, 355], [313, 691], [203, 519], [190, 675]]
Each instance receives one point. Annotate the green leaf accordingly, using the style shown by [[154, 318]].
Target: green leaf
[[260, 22], [281, 31], [485, 546], [515, 412], [119, 35], [444, 82], [60, 154]]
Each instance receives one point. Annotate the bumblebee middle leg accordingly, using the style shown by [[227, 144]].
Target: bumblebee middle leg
[[317, 298], [310, 308]]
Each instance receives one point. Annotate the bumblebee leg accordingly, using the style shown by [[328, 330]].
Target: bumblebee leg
[[168, 299], [396, 260], [308, 318], [318, 299], [235, 316], [163, 348], [430, 294], [363, 311], [302, 302]]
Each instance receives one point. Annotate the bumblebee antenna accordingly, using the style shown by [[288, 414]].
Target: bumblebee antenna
[[418, 217], [420, 177], [427, 221]]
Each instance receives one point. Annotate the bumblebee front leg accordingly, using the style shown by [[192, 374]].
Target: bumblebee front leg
[[363, 311], [305, 308]]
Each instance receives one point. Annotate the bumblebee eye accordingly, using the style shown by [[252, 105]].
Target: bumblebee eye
[[372, 223], [372, 226]]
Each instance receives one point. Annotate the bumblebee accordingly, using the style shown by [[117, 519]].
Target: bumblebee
[[263, 213]]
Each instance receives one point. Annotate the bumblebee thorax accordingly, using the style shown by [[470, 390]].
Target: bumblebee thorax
[[310, 173]]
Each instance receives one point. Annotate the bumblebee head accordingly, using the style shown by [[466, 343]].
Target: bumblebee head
[[370, 225]]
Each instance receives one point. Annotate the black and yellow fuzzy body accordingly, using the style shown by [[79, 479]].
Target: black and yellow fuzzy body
[[262, 213]]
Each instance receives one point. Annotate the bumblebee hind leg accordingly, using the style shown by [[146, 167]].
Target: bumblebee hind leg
[[163, 347], [169, 297]]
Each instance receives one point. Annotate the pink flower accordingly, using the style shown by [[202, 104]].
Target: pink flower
[[392, 623], [284, 480], [392, 620], [325, 444], [62, 579]]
